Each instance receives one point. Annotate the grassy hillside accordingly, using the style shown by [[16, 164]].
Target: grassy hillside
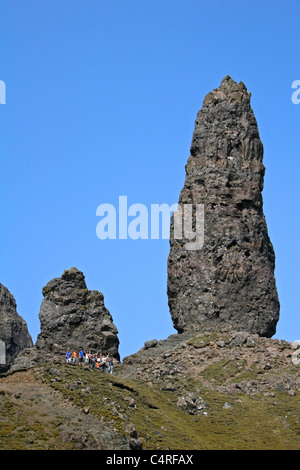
[[62, 406]]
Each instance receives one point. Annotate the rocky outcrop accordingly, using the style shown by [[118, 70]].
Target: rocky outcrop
[[13, 329], [229, 279], [72, 317], [230, 362]]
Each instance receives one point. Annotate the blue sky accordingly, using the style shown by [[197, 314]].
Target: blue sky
[[101, 100]]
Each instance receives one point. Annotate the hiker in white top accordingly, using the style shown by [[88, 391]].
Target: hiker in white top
[[103, 365], [110, 364], [87, 359]]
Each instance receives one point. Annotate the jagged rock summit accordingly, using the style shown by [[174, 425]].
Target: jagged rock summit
[[230, 280], [14, 333], [72, 317]]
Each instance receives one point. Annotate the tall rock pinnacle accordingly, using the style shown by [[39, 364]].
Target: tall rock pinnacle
[[229, 281], [74, 317]]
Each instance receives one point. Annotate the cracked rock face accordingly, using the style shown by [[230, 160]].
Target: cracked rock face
[[72, 317], [230, 280], [13, 329]]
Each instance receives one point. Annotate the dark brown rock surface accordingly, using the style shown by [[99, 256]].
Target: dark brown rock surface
[[230, 280], [13, 328], [73, 317]]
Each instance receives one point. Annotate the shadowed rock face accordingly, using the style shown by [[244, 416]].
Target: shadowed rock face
[[72, 317], [230, 280], [13, 329]]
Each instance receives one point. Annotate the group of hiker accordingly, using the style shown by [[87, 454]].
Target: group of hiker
[[96, 360]]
